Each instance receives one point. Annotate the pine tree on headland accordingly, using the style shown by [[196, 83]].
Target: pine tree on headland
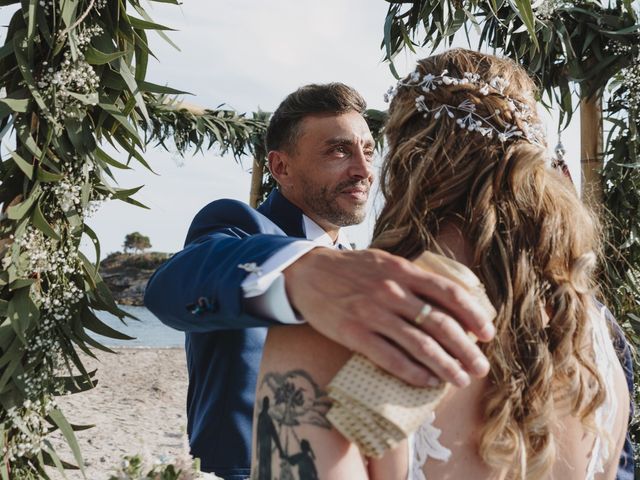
[[137, 242]]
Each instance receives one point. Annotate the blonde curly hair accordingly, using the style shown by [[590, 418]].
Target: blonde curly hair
[[534, 246]]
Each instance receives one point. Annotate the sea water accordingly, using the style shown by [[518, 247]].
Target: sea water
[[147, 331]]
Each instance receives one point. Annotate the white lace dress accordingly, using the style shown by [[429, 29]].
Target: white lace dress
[[424, 443]]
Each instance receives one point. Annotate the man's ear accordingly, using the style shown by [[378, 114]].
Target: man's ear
[[278, 162]]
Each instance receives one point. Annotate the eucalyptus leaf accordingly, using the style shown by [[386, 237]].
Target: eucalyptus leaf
[[85, 341], [12, 345], [104, 299], [95, 242], [388, 24], [27, 141], [31, 25], [122, 193], [5, 112], [80, 337], [134, 202], [121, 119], [102, 155], [164, 36], [19, 105], [77, 384], [147, 25], [142, 161], [51, 458], [130, 80], [20, 283], [61, 422], [43, 27], [623, 31], [8, 371], [19, 44], [93, 323], [68, 11], [41, 223], [4, 466], [25, 166], [45, 176], [21, 210], [96, 57], [22, 313], [154, 88], [91, 99]]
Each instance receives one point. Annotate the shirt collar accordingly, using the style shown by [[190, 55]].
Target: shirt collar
[[316, 234]]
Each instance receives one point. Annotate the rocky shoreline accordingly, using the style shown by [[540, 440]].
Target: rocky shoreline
[[126, 274]]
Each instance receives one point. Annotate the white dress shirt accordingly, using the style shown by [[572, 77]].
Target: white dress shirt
[[265, 291]]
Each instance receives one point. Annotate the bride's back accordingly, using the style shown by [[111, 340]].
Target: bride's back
[[466, 153], [460, 419]]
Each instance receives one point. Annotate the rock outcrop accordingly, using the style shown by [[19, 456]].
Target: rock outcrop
[[126, 274]]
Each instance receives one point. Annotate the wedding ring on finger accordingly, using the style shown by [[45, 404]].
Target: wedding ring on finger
[[424, 313]]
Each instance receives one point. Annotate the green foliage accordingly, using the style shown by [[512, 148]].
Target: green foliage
[[564, 45], [587, 47], [72, 80], [137, 242], [226, 129], [134, 468]]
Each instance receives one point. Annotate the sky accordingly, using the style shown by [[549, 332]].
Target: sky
[[248, 55]]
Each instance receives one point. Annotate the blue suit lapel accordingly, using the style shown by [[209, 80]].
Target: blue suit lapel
[[283, 213]]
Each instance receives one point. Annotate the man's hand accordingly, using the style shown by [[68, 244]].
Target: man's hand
[[367, 301]]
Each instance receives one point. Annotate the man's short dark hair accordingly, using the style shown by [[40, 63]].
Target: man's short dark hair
[[331, 98]]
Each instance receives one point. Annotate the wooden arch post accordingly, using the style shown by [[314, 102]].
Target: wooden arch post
[[257, 174], [591, 154]]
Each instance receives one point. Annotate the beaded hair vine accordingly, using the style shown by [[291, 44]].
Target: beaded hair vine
[[465, 112]]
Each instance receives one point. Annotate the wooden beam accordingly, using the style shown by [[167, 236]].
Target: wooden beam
[[257, 174], [591, 157]]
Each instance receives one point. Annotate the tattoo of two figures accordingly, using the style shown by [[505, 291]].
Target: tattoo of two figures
[[285, 402]]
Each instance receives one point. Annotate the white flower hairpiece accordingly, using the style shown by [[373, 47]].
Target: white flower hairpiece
[[465, 112]]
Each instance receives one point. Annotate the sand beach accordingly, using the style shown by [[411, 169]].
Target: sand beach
[[138, 407]]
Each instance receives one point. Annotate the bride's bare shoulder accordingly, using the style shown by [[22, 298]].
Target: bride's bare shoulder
[[578, 444]]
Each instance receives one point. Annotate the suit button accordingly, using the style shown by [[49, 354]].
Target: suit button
[[202, 305], [192, 308]]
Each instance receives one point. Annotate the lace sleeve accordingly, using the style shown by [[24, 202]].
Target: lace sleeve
[[423, 444], [606, 359]]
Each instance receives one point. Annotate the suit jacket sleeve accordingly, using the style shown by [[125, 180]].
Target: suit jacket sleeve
[[199, 288], [626, 465]]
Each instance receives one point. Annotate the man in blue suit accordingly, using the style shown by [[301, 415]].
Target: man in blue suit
[[242, 270]]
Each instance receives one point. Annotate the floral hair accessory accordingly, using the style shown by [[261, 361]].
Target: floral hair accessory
[[465, 112]]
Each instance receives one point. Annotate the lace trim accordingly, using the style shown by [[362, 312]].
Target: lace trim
[[424, 444], [605, 358]]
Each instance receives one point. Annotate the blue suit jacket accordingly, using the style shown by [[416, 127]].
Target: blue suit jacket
[[198, 291], [626, 465]]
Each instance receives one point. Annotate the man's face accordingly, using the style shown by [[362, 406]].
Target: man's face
[[330, 169]]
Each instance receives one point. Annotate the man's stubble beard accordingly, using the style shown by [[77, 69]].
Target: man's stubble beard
[[323, 201]]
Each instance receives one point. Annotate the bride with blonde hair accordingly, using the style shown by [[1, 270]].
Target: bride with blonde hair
[[467, 175]]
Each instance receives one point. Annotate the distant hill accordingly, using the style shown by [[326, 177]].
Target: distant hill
[[127, 274]]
